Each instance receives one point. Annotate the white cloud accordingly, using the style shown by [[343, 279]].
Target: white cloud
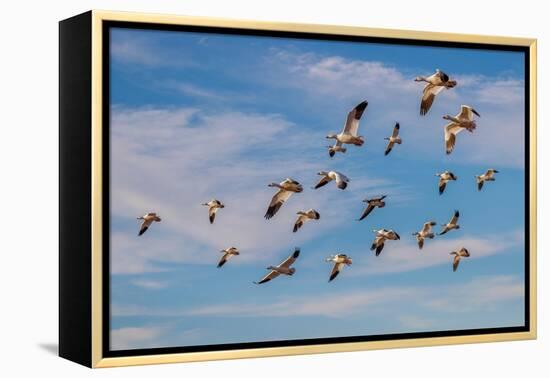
[[498, 91], [480, 293], [404, 255], [193, 90], [170, 160], [150, 284], [135, 337], [155, 337], [342, 77], [134, 51], [143, 51], [334, 82], [468, 297]]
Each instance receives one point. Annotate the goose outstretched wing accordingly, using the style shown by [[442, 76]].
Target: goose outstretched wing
[[276, 202], [428, 97], [290, 259], [354, 116], [341, 180], [335, 270], [451, 130], [322, 182], [366, 212], [467, 112], [268, 277], [144, 226]]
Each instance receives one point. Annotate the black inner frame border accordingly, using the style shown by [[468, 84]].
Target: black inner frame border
[[106, 27]]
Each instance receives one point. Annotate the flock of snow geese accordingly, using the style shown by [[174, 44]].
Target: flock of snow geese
[[464, 120]]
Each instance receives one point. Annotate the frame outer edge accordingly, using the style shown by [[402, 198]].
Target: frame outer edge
[[74, 323], [98, 16], [533, 187], [311, 28], [97, 195]]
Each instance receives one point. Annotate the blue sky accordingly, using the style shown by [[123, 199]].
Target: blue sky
[[200, 116]]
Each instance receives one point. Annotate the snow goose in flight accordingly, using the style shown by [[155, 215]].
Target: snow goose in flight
[[340, 178], [435, 84], [487, 176], [339, 260], [394, 138], [282, 268], [381, 237], [148, 219], [452, 225], [372, 203], [349, 133], [213, 207], [304, 216], [462, 121], [227, 254], [444, 178], [286, 188], [463, 252], [426, 232]]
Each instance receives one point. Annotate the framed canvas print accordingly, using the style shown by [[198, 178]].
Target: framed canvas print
[[234, 189]]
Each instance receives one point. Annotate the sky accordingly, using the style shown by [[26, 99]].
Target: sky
[[196, 116]]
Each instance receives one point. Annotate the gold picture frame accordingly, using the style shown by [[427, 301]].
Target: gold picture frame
[[89, 330]]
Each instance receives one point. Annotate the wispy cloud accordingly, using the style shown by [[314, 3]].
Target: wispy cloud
[[404, 256], [172, 160], [341, 77], [150, 284], [135, 51], [135, 337], [393, 95], [193, 90], [498, 91], [479, 293], [446, 298], [139, 52]]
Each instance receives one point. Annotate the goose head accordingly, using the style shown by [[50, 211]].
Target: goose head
[[332, 136], [450, 84], [322, 173], [275, 185], [420, 78]]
